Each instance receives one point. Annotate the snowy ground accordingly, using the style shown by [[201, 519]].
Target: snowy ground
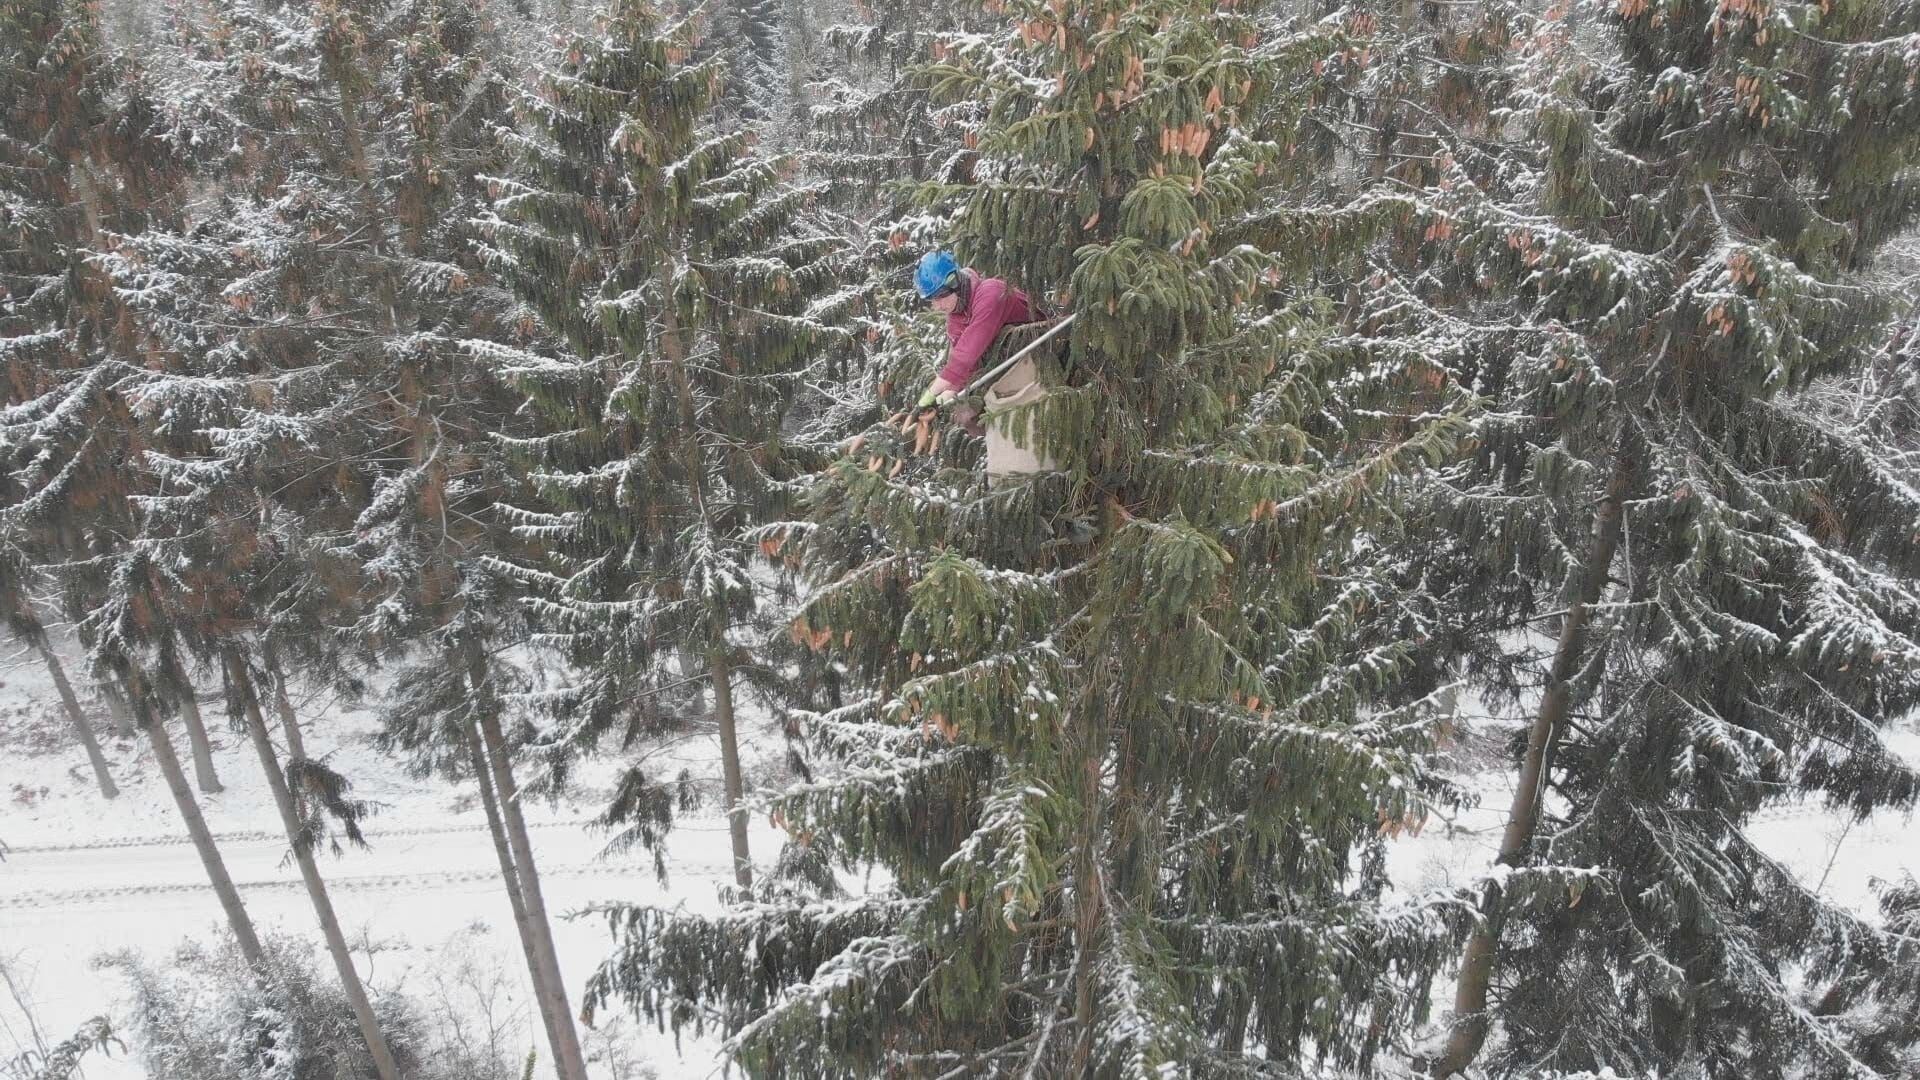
[[83, 876]]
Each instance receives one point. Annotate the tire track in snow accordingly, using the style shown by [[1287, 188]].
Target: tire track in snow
[[46, 897], [260, 836]]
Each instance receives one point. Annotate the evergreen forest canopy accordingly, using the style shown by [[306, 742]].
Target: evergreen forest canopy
[[1557, 359]]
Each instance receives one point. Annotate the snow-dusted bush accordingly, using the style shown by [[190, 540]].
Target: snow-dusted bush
[[473, 1015], [62, 1060], [201, 1014], [32, 1056]]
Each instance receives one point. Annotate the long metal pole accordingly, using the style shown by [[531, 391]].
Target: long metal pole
[[1006, 365]]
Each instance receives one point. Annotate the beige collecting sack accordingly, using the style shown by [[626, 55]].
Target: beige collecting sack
[[1018, 389]]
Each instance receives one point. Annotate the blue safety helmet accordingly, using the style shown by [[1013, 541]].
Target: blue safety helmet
[[935, 270]]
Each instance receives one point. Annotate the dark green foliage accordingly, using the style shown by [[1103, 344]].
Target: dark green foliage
[[641, 812], [745, 35], [1875, 994], [677, 279], [1643, 266], [325, 426], [322, 795]]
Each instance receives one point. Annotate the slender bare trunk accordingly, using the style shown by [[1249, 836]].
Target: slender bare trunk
[[282, 704], [690, 673], [1089, 908], [203, 775], [197, 830], [549, 985], [799, 30], [719, 668], [730, 766], [78, 717], [1470, 1018], [350, 982], [117, 707], [509, 874]]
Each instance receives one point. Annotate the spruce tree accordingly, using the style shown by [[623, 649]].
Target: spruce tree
[[873, 122], [873, 127], [672, 272], [1118, 741], [746, 36], [1655, 240], [427, 536]]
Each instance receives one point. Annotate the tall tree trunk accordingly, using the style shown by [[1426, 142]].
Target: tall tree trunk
[[197, 830], [350, 982], [203, 775], [77, 716], [549, 986], [719, 667], [722, 672], [282, 704], [1231, 1019], [1470, 1019], [799, 35], [509, 874], [123, 725], [690, 674], [1088, 902]]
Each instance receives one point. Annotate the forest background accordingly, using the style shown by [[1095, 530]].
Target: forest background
[[1474, 412]]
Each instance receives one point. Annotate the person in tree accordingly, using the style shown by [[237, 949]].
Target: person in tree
[[977, 309]]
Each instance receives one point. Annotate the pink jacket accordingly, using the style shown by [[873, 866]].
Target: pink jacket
[[993, 305]]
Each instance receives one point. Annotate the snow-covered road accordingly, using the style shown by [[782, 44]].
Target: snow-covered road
[[61, 904], [95, 872]]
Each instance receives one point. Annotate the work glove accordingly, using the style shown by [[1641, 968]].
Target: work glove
[[930, 398]]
